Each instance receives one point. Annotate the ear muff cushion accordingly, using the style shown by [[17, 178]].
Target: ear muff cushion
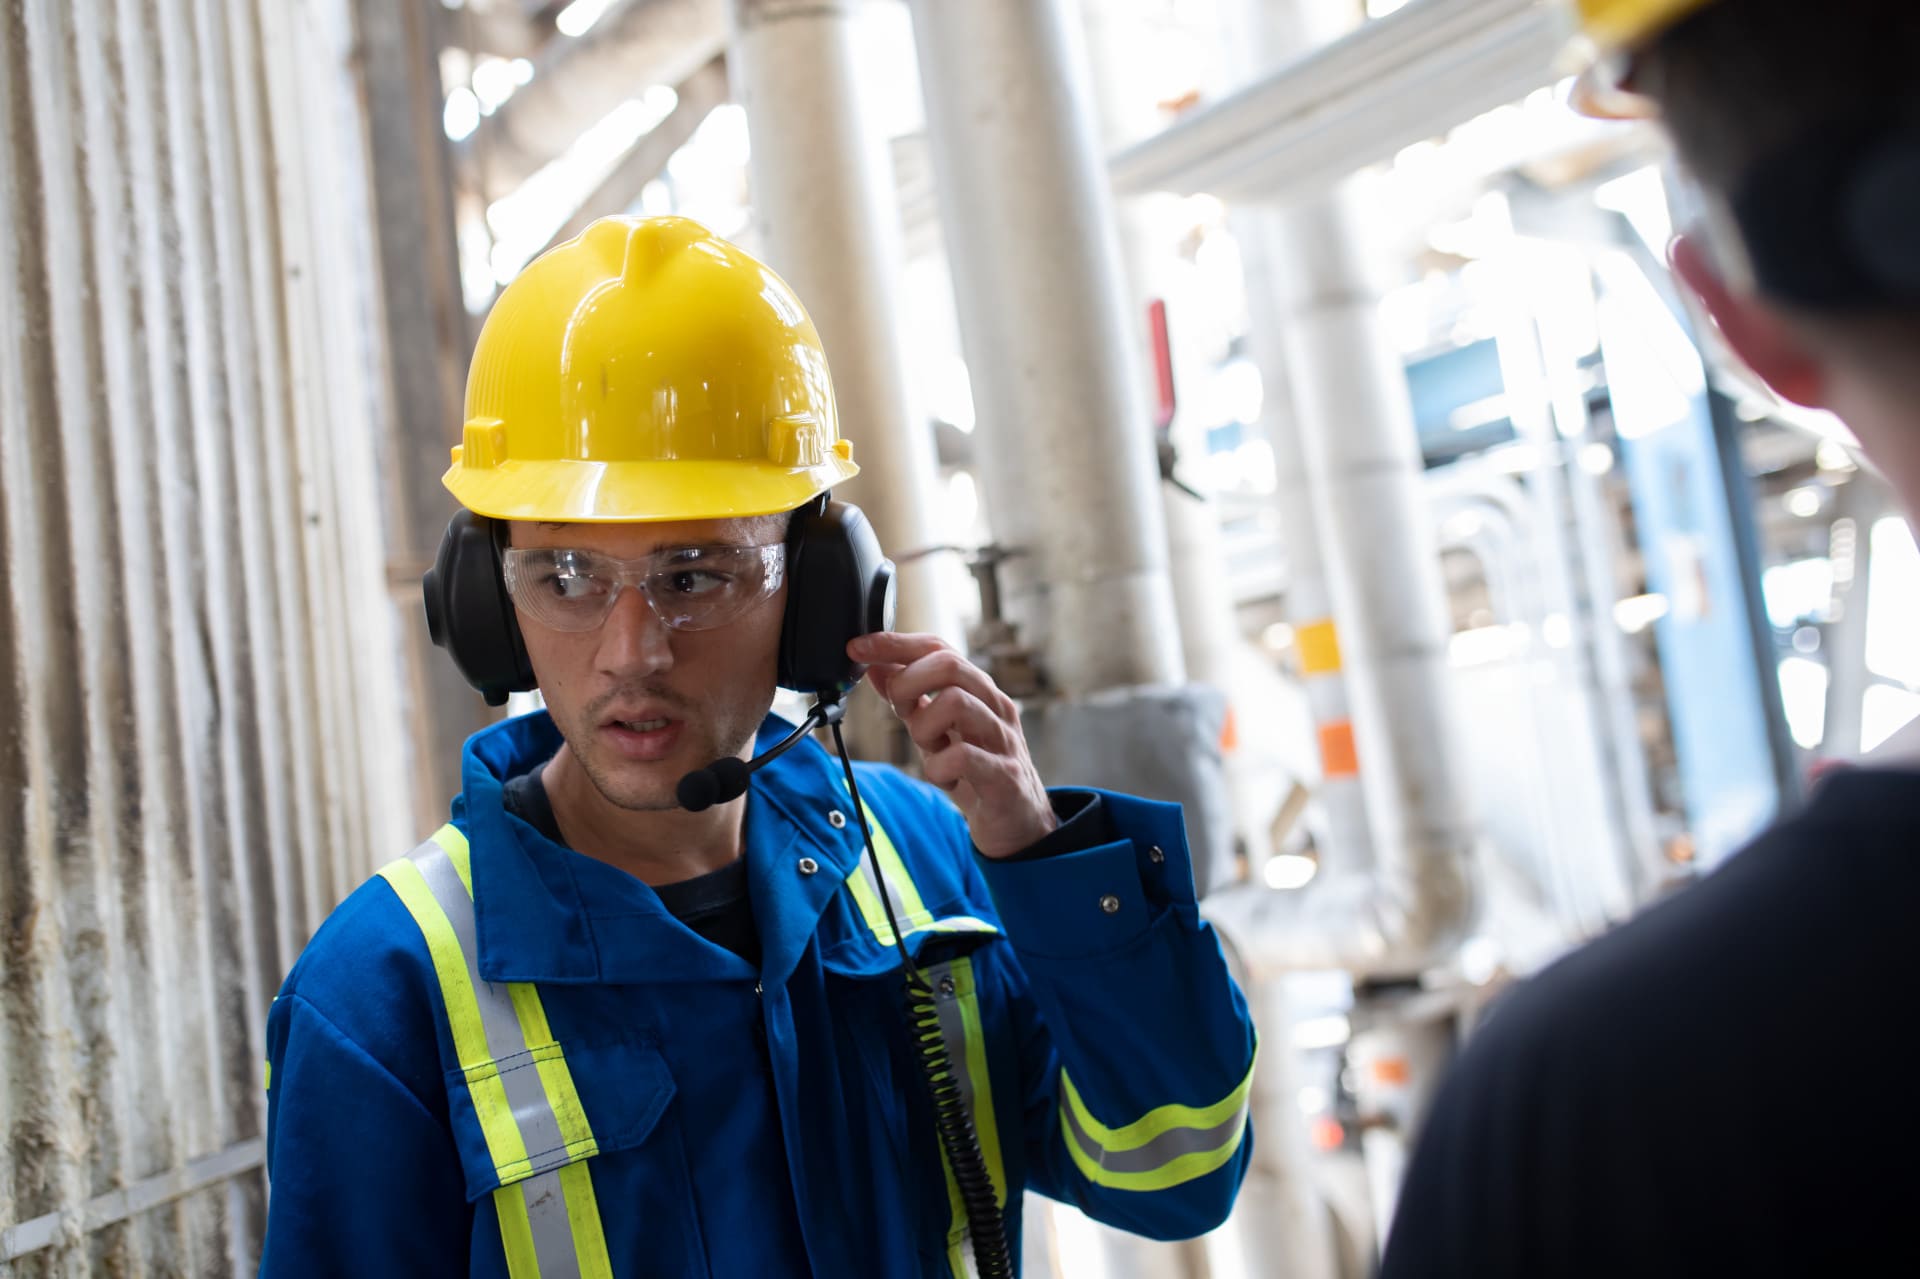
[[836, 571], [468, 612]]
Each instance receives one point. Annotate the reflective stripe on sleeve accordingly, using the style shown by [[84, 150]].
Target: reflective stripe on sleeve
[[534, 1125], [1167, 1147]]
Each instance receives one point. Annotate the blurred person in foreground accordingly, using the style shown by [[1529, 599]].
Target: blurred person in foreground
[[1718, 1088]]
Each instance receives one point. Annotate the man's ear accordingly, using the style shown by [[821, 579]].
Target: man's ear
[[1757, 332]]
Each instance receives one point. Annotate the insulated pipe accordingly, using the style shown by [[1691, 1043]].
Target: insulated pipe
[[1362, 456], [1066, 457], [822, 202], [1362, 461], [1309, 603]]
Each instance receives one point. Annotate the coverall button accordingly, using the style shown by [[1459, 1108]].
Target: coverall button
[[837, 819], [1156, 854], [808, 866], [1110, 904]]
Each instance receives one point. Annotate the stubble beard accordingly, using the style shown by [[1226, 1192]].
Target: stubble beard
[[659, 794]]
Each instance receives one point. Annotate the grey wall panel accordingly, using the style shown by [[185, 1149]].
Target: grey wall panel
[[205, 729]]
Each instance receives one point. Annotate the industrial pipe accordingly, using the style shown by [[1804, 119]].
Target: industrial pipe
[[1066, 461], [823, 194]]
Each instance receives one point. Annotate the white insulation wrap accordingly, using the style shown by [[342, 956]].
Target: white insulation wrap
[[203, 740]]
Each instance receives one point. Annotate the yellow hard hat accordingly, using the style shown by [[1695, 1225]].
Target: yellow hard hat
[[647, 370], [1612, 31]]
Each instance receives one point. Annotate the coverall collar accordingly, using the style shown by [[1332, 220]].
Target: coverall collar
[[548, 914]]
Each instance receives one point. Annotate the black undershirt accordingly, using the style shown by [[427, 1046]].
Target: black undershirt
[[715, 905]]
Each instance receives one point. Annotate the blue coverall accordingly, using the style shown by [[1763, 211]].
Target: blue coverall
[[774, 1122]]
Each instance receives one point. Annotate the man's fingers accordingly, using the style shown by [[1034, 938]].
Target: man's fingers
[[894, 647], [881, 676], [943, 670], [957, 712], [959, 762]]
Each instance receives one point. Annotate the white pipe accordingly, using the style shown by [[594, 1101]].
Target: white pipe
[[823, 195], [1066, 454], [1332, 106], [1362, 462], [577, 81]]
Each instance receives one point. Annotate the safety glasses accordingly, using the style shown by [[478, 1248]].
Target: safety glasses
[[689, 588]]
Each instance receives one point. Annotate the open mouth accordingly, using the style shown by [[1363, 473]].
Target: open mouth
[[645, 740]]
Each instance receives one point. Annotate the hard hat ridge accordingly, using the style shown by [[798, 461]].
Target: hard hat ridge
[[647, 370]]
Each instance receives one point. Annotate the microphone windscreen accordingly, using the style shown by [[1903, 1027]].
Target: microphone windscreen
[[730, 779], [698, 791]]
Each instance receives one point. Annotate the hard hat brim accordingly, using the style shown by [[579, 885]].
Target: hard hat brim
[[568, 492]]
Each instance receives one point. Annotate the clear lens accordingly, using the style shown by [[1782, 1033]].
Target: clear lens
[[694, 588]]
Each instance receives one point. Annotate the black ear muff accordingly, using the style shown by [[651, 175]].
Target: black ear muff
[[468, 612], [839, 587]]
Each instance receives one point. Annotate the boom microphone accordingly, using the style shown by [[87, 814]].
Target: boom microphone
[[725, 780]]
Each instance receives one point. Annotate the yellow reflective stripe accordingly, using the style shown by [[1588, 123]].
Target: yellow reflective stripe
[[516, 1234], [583, 1217], [913, 912], [454, 844], [1176, 1172], [870, 907], [268, 1085], [556, 1077], [490, 1105], [985, 1124], [1168, 1146], [1156, 1122]]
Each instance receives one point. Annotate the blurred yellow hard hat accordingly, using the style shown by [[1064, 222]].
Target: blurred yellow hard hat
[[1612, 30], [647, 370]]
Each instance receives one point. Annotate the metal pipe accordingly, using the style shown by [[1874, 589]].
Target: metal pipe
[[1335, 106], [577, 81], [1066, 455], [1360, 455], [823, 196]]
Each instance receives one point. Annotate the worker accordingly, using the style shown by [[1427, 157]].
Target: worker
[[1719, 1086], [660, 1001]]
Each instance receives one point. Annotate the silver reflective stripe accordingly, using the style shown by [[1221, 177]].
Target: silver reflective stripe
[[953, 1031], [1159, 1152], [882, 887], [546, 1202], [532, 1113]]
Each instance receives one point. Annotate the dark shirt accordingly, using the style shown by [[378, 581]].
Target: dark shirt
[[1723, 1086], [716, 905]]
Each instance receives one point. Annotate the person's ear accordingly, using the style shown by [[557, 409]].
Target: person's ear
[[1758, 333]]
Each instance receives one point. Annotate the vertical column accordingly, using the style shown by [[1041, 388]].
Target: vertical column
[[1065, 448], [426, 343], [823, 200]]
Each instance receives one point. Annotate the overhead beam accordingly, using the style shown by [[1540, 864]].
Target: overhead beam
[[1397, 80], [699, 94], [576, 82]]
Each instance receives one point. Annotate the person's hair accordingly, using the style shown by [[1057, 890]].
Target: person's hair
[[1740, 79]]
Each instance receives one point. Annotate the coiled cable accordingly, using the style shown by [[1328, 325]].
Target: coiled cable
[[986, 1223]]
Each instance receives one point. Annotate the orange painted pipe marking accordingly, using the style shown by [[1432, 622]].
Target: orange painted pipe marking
[[1338, 758], [1392, 1071], [1319, 645]]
